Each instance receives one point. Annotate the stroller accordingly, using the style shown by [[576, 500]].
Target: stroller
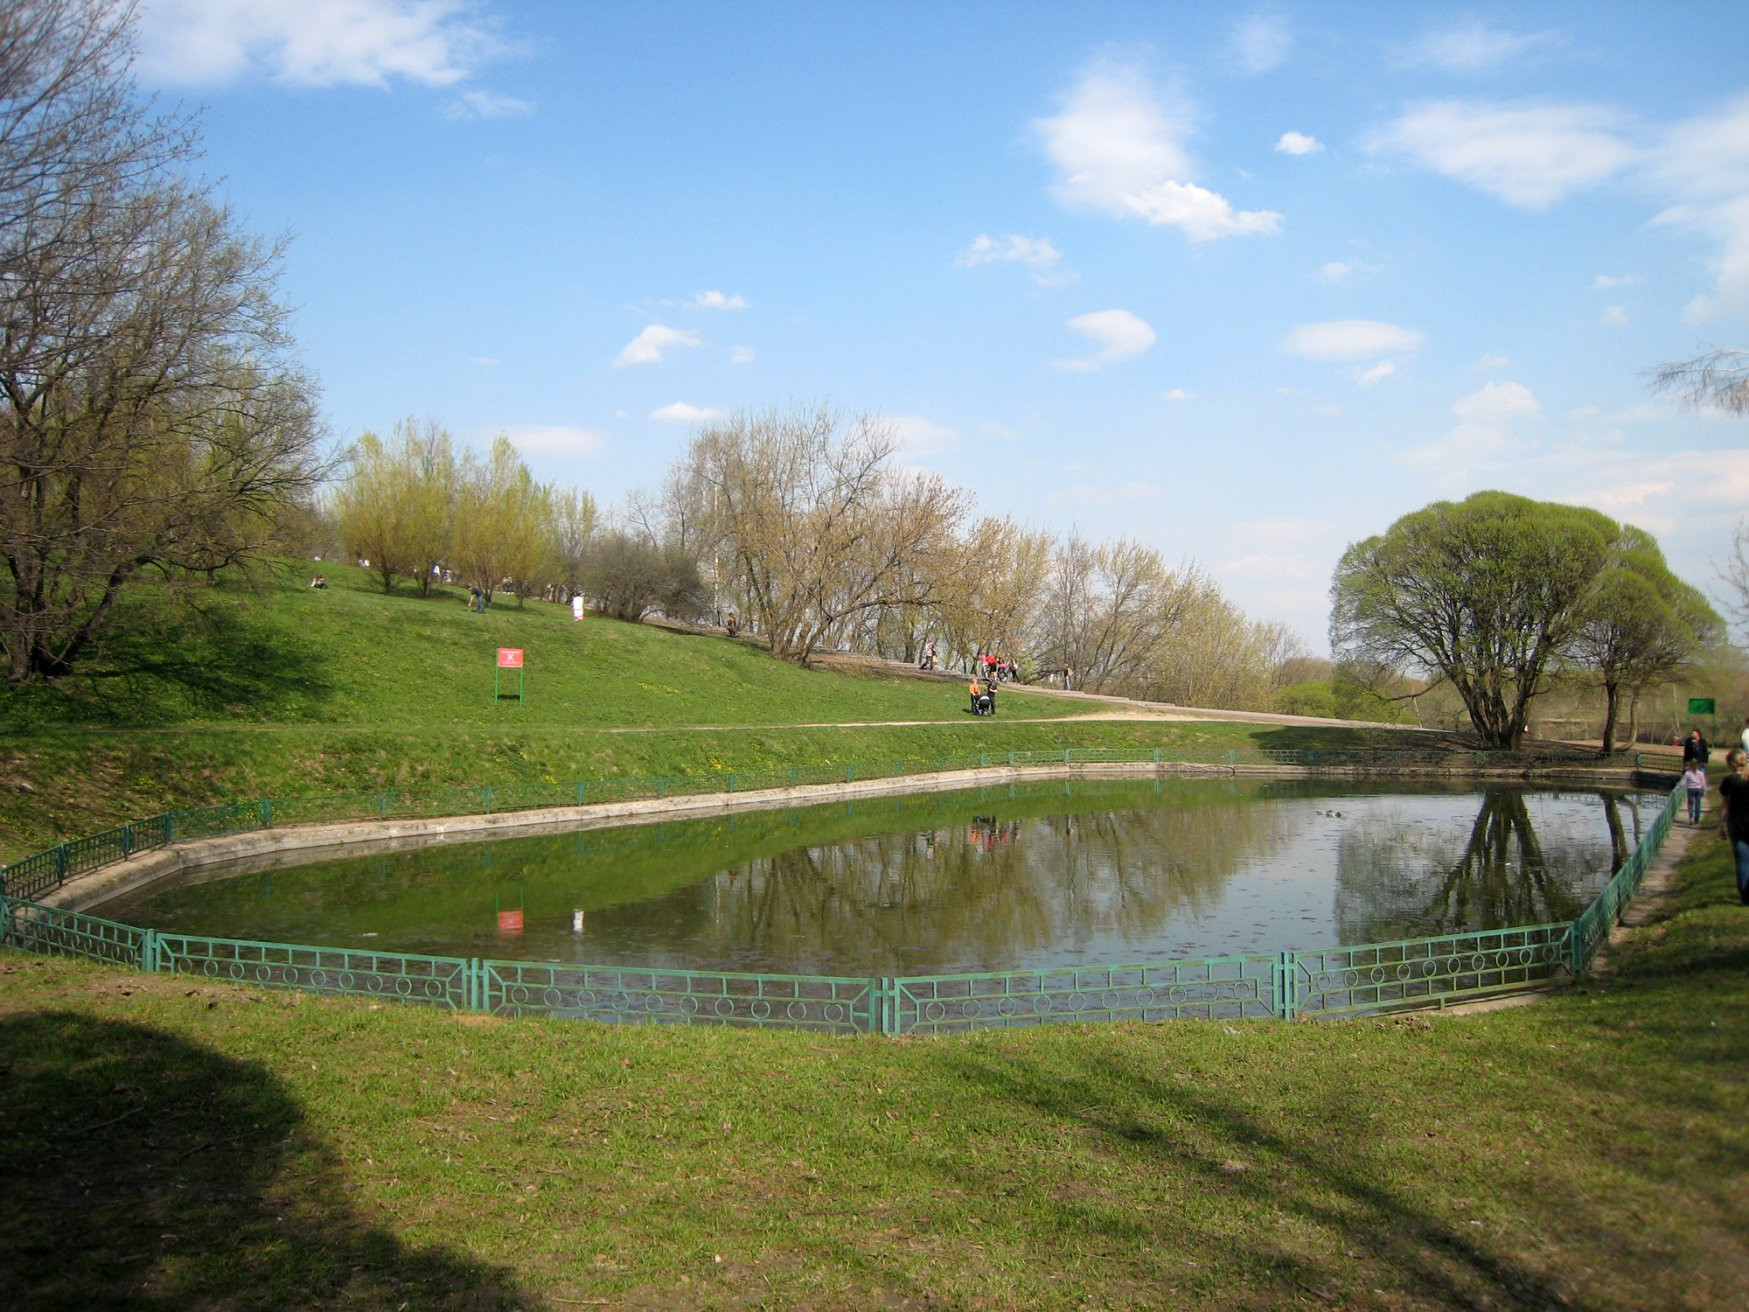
[[984, 700]]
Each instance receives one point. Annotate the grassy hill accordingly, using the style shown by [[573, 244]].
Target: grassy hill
[[285, 690]]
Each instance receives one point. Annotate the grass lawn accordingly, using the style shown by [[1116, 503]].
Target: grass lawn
[[171, 1143]]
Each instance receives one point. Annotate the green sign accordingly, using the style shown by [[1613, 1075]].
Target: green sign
[[1701, 706]]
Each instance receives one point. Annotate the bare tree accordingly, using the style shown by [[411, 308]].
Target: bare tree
[[1719, 379], [815, 525]]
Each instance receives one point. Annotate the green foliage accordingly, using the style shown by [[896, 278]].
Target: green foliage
[[1491, 593]]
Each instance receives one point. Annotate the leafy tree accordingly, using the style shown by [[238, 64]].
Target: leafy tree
[[1487, 593], [503, 519], [151, 414], [396, 506], [1640, 624]]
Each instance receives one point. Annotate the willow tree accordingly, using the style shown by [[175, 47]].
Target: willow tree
[[1488, 593], [1640, 624], [396, 506]]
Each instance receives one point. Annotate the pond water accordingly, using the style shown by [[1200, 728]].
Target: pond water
[[1036, 875]]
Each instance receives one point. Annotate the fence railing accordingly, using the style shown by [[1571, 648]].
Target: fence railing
[[1330, 982]]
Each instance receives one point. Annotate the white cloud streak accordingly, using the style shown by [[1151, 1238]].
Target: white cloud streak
[[556, 440], [312, 43], [649, 346], [1529, 156], [1351, 339], [1119, 335], [718, 301], [682, 413], [1475, 47]]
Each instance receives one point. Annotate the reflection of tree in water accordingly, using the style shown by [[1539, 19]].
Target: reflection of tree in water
[[986, 894], [1404, 880]]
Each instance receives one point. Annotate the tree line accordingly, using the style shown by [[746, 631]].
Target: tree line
[[801, 523]]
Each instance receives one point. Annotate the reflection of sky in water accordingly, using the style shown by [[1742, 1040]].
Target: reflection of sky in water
[[960, 882]]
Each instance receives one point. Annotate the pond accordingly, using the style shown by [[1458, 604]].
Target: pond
[[1031, 875]]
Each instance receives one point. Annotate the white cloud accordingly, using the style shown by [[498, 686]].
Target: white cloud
[[742, 355], [1176, 394], [1704, 163], [556, 440], [920, 438], [1262, 43], [1495, 402], [1298, 143], [1526, 155], [484, 361], [1474, 47], [1334, 272], [1375, 374], [1036, 254], [1615, 316], [647, 347], [1119, 335], [718, 301], [1351, 339], [682, 413], [315, 43], [1118, 147], [1604, 281], [487, 104], [1489, 363]]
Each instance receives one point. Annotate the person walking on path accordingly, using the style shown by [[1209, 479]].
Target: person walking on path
[[1745, 738], [1694, 780], [1694, 748], [1734, 822]]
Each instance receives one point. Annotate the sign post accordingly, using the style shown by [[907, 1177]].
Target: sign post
[[509, 658]]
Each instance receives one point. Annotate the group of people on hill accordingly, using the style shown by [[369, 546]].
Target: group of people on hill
[[997, 669], [1733, 797]]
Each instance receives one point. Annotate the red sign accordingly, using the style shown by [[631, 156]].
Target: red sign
[[510, 658]]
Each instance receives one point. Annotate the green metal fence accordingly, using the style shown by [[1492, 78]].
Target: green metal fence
[[1332, 982]]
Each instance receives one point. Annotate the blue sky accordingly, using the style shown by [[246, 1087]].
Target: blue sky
[[1243, 284]]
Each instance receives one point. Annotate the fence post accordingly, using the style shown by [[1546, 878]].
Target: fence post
[[1287, 981], [266, 814], [149, 952]]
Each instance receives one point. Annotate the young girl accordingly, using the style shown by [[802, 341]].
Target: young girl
[[1694, 780]]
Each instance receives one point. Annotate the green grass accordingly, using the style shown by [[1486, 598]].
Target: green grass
[[292, 692], [172, 1143]]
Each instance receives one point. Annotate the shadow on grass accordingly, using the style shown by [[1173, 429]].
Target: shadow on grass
[[163, 663], [1234, 1153], [146, 1172]]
